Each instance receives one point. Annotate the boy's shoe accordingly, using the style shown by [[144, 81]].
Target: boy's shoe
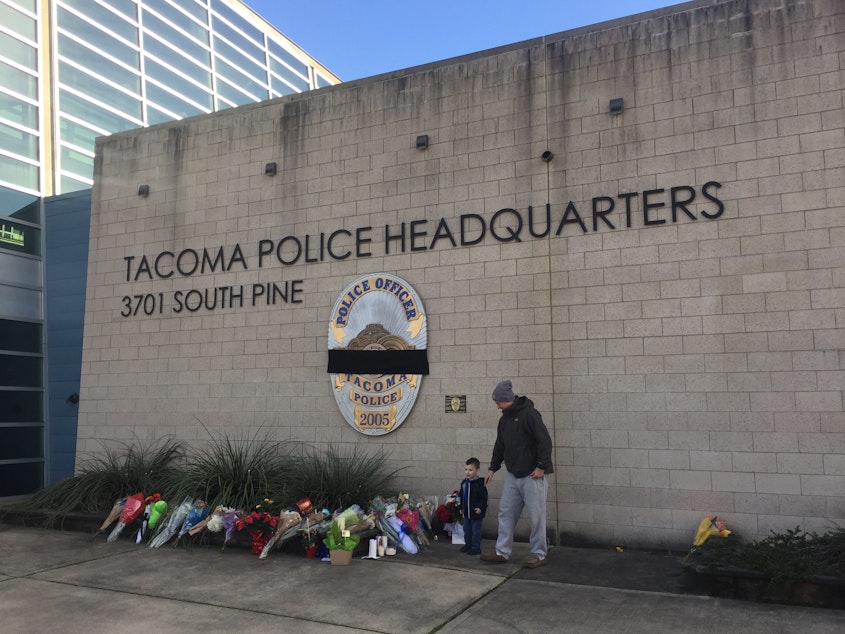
[[494, 558], [473, 551], [535, 562], [464, 548]]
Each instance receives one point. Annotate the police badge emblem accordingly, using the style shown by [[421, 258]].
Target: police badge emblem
[[377, 352]]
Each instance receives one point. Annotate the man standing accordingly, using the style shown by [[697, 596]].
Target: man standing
[[524, 444]]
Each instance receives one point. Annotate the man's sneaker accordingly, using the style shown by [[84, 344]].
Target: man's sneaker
[[473, 551], [535, 561], [465, 548], [494, 558]]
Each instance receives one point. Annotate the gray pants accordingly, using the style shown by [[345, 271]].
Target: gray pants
[[517, 494]]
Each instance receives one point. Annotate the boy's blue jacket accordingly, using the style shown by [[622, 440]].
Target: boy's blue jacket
[[473, 496]]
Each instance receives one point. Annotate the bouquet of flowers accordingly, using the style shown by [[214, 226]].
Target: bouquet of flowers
[[195, 516], [450, 511], [174, 523], [286, 528], [223, 518], [261, 526], [132, 510]]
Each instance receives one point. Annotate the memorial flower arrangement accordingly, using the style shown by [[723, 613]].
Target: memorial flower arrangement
[[450, 511], [260, 524]]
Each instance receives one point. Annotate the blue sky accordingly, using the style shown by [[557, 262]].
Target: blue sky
[[361, 38]]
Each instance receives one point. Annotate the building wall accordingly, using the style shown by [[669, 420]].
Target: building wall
[[66, 224], [685, 347]]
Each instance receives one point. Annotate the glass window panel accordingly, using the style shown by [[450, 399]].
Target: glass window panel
[[18, 111], [241, 23], [234, 38], [280, 88], [232, 94], [288, 75], [18, 173], [128, 8], [100, 117], [16, 236], [171, 102], [322, 82], [76, 134], [154, 115], [107, 19], [85, 83], [29, 5], [18, 22], [174, 58], [68, 184], [28, 211], [287, 57], [105, 41], [162, 31], [18, 142], [20, 371], [21, 478], [19, 81], [258, 71], [20, 442], [76, 162], [196, 9], [244, 82], [98, 64], [179, 84], [172, 14], [19, 52], [20, 336]]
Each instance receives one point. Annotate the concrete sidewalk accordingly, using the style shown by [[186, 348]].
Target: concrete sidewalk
[[77, 582]]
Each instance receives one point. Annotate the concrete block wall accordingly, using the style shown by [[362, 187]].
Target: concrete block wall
[[687, 358]]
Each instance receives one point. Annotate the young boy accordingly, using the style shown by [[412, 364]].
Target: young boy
[[473, 506]]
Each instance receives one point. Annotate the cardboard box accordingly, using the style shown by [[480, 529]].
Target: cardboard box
[[340, 557]]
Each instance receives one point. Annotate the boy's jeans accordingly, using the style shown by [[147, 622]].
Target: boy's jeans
[[472, 533]]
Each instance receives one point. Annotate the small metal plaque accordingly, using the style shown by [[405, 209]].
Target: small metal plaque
[[456, 404]]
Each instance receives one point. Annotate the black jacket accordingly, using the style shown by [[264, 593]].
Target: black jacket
[[522, 440], [476, 499]]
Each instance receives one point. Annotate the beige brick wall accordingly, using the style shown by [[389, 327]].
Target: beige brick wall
[[689, 367]]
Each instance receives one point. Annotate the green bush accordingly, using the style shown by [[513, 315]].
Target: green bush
[[232, 471], [122, 470], [789, 557]]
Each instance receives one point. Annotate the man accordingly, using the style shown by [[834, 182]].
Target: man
[[524, 444]]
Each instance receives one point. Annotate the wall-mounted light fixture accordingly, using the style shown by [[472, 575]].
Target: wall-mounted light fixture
[[422, 142], [547, 156], [143, 191], [269, 169], [616, 105]]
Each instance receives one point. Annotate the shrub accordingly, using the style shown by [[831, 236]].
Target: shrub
[[122, 470]]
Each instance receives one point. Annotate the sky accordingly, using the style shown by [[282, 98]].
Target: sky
[[361, 38]]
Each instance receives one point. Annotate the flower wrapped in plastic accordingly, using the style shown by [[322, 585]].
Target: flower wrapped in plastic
[[196, 515], [173, 524], [398, 533], [113, 515], [229, 520], [287, 527], [132, 510], [150, 503], [710, 526]]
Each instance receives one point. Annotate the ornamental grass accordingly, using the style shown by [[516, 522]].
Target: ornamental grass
[[122, 469], [339, 477], [236, 472]]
